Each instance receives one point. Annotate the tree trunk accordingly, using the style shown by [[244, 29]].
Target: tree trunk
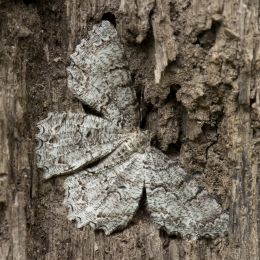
[[194, 66]]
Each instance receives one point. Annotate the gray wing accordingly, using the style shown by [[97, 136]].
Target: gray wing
[[105, 199], [99, 76], [70, 141], [107, 195], [176, 202]]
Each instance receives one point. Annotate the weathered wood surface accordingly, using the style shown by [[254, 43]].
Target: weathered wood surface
[[203, 110]]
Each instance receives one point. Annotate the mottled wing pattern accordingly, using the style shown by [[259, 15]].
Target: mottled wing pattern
[[69, 141], [103, 198], [176, 202], [107, 195], [99, 76]]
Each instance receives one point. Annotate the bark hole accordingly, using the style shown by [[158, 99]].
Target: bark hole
[[172, 95], [109, 17], [28, 2], [167, 238], [90, 111], [207, 38], [145, 109], [174, 149]]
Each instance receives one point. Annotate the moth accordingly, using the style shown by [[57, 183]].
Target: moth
[[108, 160]]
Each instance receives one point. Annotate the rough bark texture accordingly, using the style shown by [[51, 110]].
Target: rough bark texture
[[195, 70]]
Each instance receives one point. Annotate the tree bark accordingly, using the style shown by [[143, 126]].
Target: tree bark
[[194, 66]]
